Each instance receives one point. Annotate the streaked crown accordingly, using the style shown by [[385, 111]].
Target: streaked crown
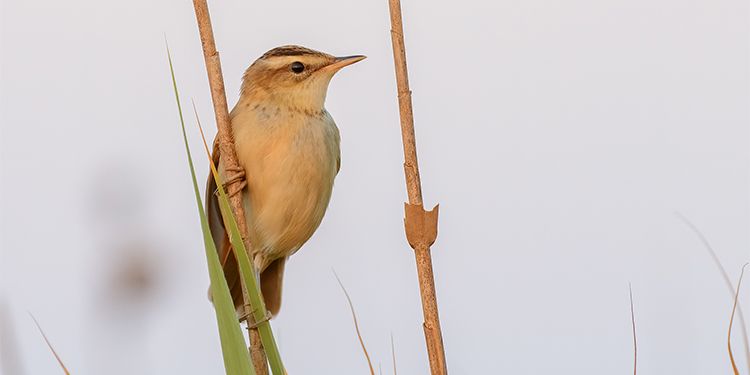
[[293, 75]]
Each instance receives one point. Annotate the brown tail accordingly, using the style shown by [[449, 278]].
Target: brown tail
[[271, 280]]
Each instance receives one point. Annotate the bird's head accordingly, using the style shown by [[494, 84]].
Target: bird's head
[[294, 76]]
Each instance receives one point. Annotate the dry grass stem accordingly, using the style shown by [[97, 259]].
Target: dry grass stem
[[228, 157], [49, 345], [421, 225], [727, 282], [356, 324], [393, 355], [731, 320], [632, 323]]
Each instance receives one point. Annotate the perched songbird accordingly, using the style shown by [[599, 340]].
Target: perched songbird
[[288, 147]]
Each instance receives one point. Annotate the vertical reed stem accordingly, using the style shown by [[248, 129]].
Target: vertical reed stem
[[421, 225], [228, 157]]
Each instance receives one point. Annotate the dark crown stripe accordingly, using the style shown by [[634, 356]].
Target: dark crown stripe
[[290, 51]]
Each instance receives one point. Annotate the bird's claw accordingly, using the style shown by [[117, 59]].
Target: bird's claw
[[237, 182]]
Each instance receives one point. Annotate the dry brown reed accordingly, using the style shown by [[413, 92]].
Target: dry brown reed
[[421, 225], [229, 159]]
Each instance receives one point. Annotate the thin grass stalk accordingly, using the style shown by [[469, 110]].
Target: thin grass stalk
[[49, 345], [229, 157], [356, 326], [393, 355], [421, 225], [731, 320], [727, 282], [635, 337]]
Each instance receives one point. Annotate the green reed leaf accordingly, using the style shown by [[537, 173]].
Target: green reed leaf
[[247, 271], [233, 347]]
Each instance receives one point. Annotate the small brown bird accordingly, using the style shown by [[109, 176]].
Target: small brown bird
[[288, 146]]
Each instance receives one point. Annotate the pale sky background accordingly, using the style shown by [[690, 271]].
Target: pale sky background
[[559, 138]]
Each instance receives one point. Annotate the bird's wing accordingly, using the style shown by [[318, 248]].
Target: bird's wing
[[219, 232], [337, 138]]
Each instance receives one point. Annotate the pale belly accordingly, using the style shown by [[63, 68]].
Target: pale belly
[[290, 168]]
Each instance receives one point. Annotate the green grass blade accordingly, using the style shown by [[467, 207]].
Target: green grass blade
[[247, 271], [236, 358]]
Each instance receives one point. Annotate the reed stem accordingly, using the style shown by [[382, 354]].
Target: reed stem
[[421, 225], [229, 160]]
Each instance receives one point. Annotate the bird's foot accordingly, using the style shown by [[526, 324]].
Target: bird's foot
[[237, 182]]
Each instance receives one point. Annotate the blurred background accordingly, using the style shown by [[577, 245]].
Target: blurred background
[[560, 139]]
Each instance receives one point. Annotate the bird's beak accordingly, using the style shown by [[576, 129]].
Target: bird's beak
[[341, 62]]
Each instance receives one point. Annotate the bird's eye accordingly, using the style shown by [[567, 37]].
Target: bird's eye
[[298, 67]]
